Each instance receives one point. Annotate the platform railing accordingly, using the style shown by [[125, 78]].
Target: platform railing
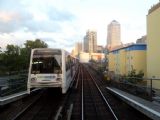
[[13, 83], [143, 89]]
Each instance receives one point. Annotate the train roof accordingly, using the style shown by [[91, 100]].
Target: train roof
[[50, 49]]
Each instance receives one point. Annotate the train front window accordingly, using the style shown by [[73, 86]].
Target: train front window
[[48, 64]]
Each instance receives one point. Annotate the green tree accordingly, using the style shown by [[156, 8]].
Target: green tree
[[15, 62], [35, 44], [16, 58], [25, 52], [134, 77], [10, 58], [12, 50]]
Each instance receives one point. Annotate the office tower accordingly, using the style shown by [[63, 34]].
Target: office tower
[[142, 40], [113, 36], [85, 44], [91, 41], [99, 49], [78, 47]]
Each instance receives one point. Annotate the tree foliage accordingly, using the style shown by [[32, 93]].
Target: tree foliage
[[134, 77], [35, 44], [16, 58]]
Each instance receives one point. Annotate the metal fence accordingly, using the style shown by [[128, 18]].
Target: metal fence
[[143, 89]]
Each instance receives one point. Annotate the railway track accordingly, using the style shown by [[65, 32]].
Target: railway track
[[93, 101], [87, 99], [95, 106], [11, 110], [121, 109], [71, 106], [44, 108]]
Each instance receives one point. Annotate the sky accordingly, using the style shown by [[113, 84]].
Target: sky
[[62, 23]]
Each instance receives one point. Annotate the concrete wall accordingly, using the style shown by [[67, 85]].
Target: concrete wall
[[123, 60], [138, 60], [85, 57], [153, 49], [111, 64]]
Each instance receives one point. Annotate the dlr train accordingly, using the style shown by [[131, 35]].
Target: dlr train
[[51, 68]]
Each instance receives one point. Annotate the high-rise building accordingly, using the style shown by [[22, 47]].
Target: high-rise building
[[113, 36], [78, 48], [85, 44], [91, 41], [142, 40], [100, 49]]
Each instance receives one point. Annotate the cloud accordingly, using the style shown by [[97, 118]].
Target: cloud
[[61, 23], [13, 21], [27, 20], [15, 16], [7, 16], [60, 15]]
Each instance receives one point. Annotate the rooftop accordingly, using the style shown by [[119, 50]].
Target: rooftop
[[129, 46], [153, 8]]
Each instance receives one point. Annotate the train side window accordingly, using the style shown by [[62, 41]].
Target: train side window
[[68, 62]]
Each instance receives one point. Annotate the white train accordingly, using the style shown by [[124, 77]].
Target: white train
[[51, 68]]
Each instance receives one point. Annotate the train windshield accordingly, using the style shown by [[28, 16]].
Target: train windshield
[[46, 62]]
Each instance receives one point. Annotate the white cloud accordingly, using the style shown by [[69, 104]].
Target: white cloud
[[61, 23]]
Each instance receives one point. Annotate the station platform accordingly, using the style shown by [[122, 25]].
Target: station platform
[[150, 109], [11, 98]]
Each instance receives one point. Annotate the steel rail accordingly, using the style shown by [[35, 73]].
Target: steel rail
[[58, 113], [109, 106], [82, 117], [78, 77], [26, 108], [73, 79], [70, 112], [62, 112]]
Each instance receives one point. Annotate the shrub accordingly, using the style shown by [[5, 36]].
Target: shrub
[[134, 77]]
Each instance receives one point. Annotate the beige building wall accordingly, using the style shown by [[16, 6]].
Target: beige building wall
[[138, 61], [111, 64], [153, 42], [122, 62], [125, 59]]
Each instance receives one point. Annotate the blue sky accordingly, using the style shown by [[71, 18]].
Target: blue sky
[[61, 23]]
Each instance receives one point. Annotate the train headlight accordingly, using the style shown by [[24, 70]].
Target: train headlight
[[33, 79]]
